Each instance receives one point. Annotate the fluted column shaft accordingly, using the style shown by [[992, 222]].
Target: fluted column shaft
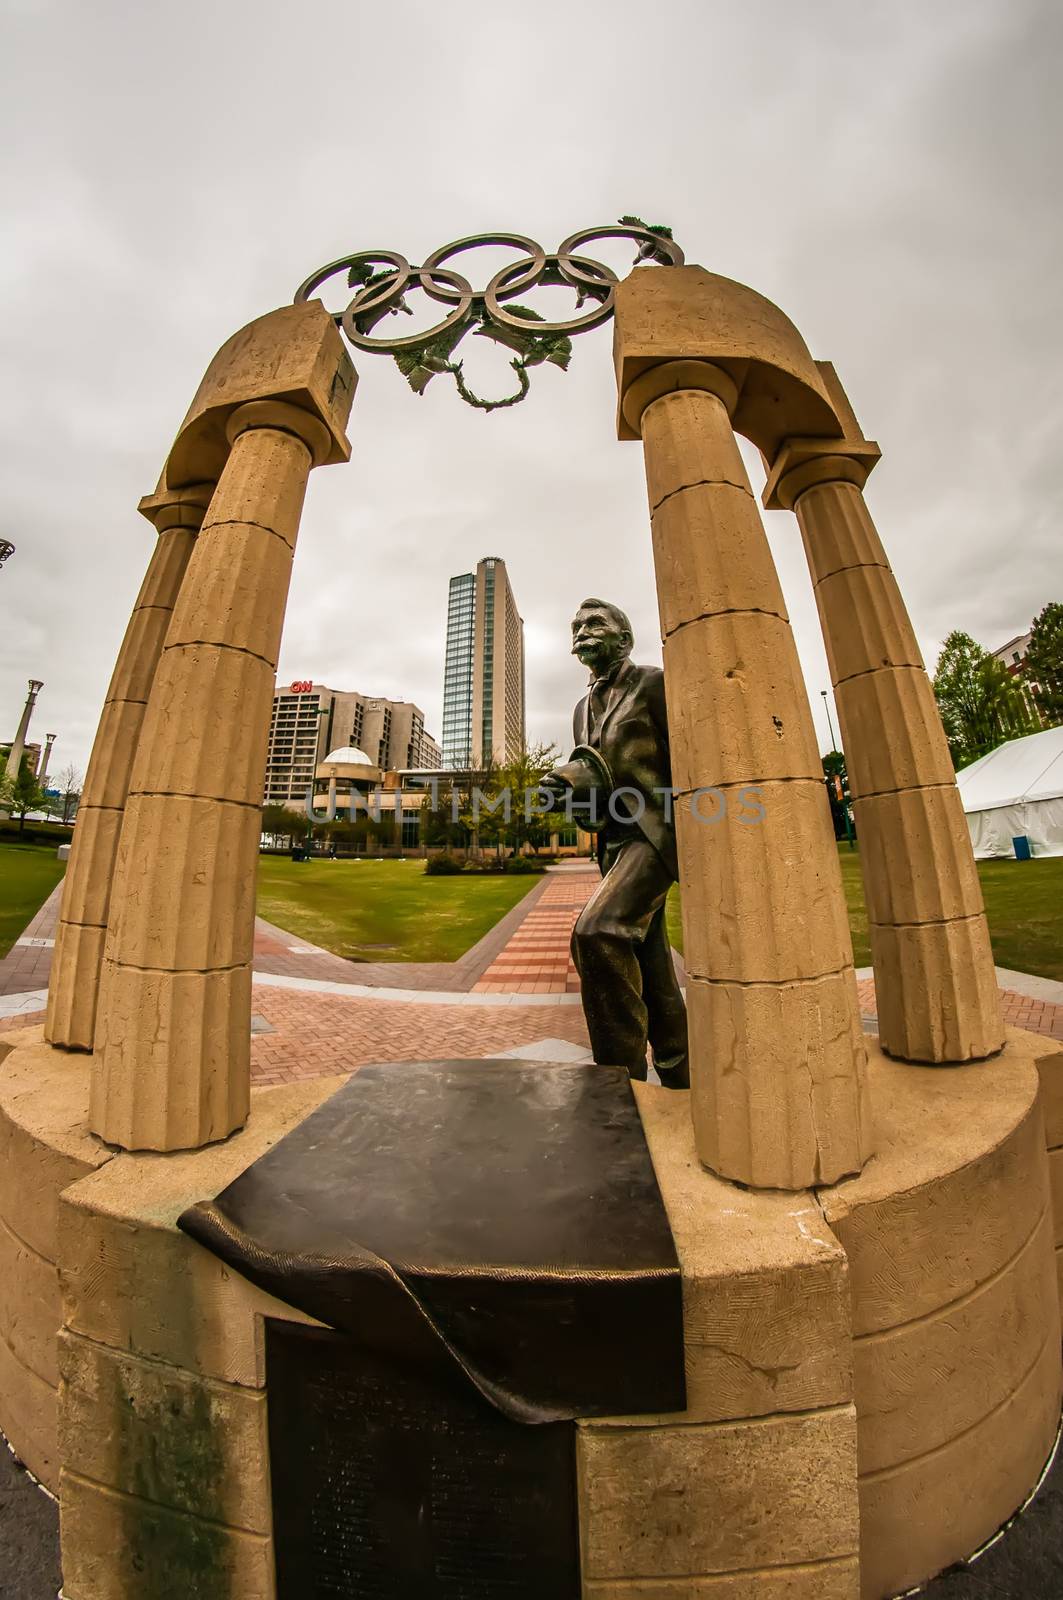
[[938, 999], [778, 1083], [75, 974], [172, 1066]]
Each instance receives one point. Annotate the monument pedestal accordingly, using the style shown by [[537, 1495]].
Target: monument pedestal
[[873, 1369]]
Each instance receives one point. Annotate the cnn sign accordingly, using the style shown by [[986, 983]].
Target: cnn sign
[[302, 686]]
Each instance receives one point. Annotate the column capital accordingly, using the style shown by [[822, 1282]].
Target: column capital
[[669, 377], [177, 508], [285, 418], [802, 463]]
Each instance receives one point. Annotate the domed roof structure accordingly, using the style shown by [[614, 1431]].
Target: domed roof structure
[[348, 756]]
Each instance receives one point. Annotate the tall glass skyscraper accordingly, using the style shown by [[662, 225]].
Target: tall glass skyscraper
[[483, 679]]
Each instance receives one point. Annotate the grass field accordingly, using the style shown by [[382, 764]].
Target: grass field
[[389, 910], [1023, 902], [28, 874], [384, 910]]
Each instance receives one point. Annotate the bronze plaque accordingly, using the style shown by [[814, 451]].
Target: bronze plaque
[[389, 1484]]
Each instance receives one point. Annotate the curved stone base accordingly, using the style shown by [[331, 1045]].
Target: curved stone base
[[956, 1344], [873, 1369]]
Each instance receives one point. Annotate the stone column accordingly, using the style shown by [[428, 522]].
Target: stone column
[[778, 1083], [74, 982], [937, 992], [42, 770], [172, 1066], [18, 744]]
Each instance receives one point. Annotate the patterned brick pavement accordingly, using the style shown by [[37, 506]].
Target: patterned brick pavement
[[29, 961], [536, 959], [318, 1034], [303, 1032]]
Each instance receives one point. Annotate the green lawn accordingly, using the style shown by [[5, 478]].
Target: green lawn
[[28, 874], [384, 910], [1023, 902]]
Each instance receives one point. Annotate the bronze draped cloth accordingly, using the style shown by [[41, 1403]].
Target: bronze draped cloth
[[488, 1223]]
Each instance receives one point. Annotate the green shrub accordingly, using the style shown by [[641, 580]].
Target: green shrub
[[444, 865], [522, 864]]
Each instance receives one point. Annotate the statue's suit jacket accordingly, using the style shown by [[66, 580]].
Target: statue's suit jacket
[[632, 737]]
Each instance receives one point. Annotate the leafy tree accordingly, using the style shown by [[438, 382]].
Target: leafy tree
[[502, 818], [981, 704], [1043, 666], [834, 767], [27, 794], [441, 825], [283, 823]]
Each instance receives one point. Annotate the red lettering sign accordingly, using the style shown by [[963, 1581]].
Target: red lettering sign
[[302, 686]]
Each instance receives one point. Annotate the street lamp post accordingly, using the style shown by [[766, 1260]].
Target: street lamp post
[[830, 725]]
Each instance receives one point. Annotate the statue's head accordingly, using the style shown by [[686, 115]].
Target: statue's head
[[601, 636]]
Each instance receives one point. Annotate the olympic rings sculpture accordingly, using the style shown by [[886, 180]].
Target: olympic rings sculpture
[[382, 278]]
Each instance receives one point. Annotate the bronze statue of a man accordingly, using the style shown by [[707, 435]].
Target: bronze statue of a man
[[620, 946]]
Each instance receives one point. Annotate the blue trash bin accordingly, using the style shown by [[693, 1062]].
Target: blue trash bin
[[1021, 847]]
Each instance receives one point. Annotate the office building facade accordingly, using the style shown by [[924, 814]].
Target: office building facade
[[483, 678], [310, 719]]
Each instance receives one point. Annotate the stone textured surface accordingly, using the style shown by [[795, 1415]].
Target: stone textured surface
[[819, 1580], [745, 718], [955, 1310], [74, 981], [958, 1018], [186, 1082], [757, 855], [686, 313], [915, 857], [710, 1498], [29, 1418], [993, 1336], [148, 1429], [762, 901], [937, 990], [918, 1518], [783, 1057], [133, 1282], [113, 1542], [44, 1146], [765, 1285], [172, 1064]]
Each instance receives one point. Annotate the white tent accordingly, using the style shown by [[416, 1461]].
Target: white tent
[[1016, 789]]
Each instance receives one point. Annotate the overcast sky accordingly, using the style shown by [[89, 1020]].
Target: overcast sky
[[887, 173]]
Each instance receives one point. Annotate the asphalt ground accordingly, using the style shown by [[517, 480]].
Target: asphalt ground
[[1026, 1562]]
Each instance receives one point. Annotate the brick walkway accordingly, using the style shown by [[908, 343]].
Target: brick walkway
[[315, 1013], [536, 958], [29, 961]]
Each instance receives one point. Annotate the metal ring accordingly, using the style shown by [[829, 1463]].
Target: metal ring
[[534, 253], [599, 288], [661, 243], [349, 264], [413, 341]]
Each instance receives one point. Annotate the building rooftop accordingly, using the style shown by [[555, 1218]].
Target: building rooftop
[[348, 756]]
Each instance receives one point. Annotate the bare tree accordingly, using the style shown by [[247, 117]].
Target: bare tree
[[69, 784]]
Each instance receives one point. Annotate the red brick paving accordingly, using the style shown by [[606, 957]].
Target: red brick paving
[[317, 1034], [537, 960]]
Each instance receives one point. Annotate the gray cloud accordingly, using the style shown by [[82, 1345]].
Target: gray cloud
[[887, 173]]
